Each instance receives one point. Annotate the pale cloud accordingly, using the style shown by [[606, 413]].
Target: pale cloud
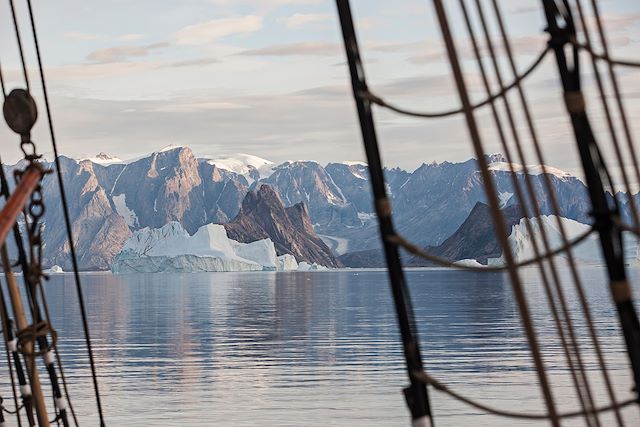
[[193, 107], [77, 35], [302, 20], [98, 70], [209, 31], [266, 2], [366, 23], [131, 37], [198, 62], [297, 49], [123, 53], [80, 36]]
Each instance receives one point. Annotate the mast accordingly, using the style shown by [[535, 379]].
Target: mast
[[416, 394]]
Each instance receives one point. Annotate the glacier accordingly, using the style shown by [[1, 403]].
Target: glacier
[[171, 249]]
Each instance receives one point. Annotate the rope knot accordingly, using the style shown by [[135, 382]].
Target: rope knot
[[32, 333]]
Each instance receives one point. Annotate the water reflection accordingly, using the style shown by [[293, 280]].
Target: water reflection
[[292, 349]]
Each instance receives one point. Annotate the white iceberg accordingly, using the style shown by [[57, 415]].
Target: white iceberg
[[521, 242], [55, 269], [305, 266], [172, 249]]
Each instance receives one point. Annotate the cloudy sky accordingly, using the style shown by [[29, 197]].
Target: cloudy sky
[[268, 77]]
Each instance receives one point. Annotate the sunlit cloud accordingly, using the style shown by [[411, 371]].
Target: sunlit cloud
[[122, 53], [215, 29], [302, 20]]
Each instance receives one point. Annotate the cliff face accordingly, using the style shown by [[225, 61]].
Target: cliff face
[[99, 231], [263, 215]]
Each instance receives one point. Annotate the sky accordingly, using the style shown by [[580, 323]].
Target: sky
[[268, 77]]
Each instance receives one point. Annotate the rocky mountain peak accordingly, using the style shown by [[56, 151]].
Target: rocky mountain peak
[[495, 158], [264, 197], [263, 215]]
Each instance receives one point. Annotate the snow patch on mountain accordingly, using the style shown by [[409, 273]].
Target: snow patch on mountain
[[103, 159], [531, 169], [130, 217], [243, 164], [172, 249], [504, 198], [170, 147]]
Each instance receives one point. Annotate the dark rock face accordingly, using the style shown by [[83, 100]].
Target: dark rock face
[[476, 238], [370, 258], [310, 183], [263, 215], [223, 192]]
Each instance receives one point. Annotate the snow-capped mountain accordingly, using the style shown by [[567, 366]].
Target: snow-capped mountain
[[103, 159], [253, 168], [111, 199]]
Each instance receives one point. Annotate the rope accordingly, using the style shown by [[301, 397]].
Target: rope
[[6, 332], [19, 40], [496, 214], [609, 119], [14, 412], [561, 318], [574, 348], [604, 57], [625, 227], [2, 85], [67, 220], [428, 379], [587, 149], [372, 97], [618, 98], [416, 250]]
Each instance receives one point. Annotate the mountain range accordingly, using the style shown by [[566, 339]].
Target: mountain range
[[110, 199]]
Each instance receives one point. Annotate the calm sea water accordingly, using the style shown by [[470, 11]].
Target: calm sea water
[[311, 349]]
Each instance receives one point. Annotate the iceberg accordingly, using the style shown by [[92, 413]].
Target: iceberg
[[521, 242], [171, 249], [305, 266], [55, 269]]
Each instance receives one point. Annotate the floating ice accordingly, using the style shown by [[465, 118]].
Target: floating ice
[[172, 249]]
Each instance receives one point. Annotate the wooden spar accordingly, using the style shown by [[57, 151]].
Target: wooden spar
[[15, 204], [8, 216], [22, 323]]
